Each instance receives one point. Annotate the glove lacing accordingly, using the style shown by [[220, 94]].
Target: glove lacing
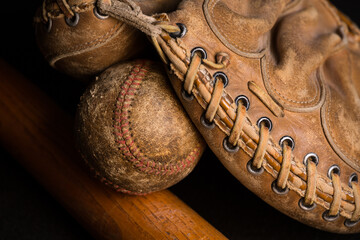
[[160, 31]]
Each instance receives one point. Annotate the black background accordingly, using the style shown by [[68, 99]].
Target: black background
[[27, 211]]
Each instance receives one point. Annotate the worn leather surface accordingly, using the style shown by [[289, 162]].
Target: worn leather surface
[[341, 112], [94, 44], [133, 133], [306, 58], [79, 50]]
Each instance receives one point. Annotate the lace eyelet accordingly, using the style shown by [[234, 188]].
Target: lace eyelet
[[244, 100], [181, 33], [251, 169], [228, 147], [333, 169], [99, 15], [198, 49], [353, 178], [289, 140], [348, 223], [277, 190], [267, 121], [329, 218], [73, 21], [305, 207], [206, 123], [222, 76], [313, 157], [186, 96]]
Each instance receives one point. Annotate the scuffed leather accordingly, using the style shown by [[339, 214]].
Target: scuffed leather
[[88, 48], [94, 44], [306, 57], [228, 18], [341, 112]]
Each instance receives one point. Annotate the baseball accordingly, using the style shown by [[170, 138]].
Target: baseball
[[133, 133]]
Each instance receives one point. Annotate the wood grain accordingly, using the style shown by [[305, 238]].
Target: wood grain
[[39, 135]]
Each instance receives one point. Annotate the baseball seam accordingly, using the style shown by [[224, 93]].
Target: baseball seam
[[109, 183], [123, 135]]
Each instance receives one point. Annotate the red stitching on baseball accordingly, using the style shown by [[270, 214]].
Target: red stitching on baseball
[[105, 181], [124, 138]]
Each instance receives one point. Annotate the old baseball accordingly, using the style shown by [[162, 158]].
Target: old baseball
[[132, 131]]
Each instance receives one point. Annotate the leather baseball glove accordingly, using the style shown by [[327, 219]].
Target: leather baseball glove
[[76, 39], [273, 86]]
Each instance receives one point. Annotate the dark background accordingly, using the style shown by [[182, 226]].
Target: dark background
[[27, 211]]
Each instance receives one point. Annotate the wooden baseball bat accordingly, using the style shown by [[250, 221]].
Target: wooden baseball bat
[[39, 135]]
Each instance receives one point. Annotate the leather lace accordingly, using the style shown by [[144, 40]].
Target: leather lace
[[236, 130], [238, 125], [356, 214], [261, 147], [264, 134], [285, 166], [310, 193], [335, 204], [215, 101], [63, 6], [159, 30]]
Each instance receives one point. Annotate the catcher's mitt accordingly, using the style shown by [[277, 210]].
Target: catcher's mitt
[[273, 86], [76, 39]]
